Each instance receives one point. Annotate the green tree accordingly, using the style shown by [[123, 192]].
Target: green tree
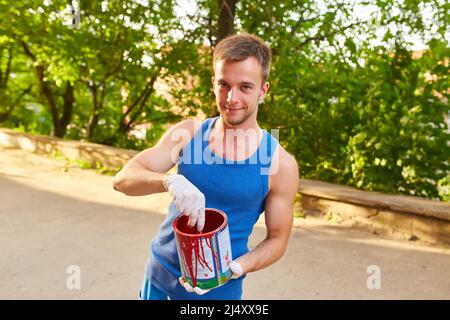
[[353, 101], [15, 82], [324, 97]]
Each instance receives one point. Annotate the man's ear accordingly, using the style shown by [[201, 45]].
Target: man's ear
[[213, 85], [263, 92]]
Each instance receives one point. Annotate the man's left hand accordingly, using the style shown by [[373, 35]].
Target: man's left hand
[[236, 268], [189, 288]]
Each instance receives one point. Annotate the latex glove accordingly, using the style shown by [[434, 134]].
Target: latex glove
[[236, 269], [188, 199], [189, 288]]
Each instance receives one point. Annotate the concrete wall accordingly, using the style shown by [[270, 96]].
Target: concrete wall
[[107, 156], [408, 217]]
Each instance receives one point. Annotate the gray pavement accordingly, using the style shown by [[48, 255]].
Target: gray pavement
[[53, 216]]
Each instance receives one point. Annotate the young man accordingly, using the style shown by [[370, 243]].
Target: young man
[[228, 163]]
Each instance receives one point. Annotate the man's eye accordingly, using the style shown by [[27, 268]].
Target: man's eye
[[246, 88]]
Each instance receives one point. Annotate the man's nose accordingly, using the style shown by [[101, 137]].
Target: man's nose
[[232, 95]]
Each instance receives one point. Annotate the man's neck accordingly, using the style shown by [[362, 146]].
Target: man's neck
[[221, 127]]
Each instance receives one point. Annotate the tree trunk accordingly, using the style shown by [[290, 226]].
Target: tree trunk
[[5, 115], [227, 9], [96, 105], [136, 108], [48, 95], [46, 92], [68, 109], [4, 75]]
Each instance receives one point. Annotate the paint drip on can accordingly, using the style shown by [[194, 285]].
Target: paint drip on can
[[204, 256]]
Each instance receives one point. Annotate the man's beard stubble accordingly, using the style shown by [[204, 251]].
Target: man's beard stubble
[[238, 121]]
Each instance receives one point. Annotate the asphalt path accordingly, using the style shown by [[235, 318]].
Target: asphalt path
[[66, 234]]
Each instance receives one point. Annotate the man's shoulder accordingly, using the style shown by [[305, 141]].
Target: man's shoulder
[[288, 164], [184, 129], [188, 124], [284, 169], [286, 161]]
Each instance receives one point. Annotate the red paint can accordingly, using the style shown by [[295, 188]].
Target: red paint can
[[204, 256]]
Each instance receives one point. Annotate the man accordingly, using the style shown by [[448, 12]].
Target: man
[[228, 163]]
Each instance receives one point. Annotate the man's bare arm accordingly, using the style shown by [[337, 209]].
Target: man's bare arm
[[279, 209], [144, 173]]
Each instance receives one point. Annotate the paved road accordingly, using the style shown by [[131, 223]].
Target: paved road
[[53, 216]]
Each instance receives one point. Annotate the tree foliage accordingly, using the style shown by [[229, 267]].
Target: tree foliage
[[355, 101]]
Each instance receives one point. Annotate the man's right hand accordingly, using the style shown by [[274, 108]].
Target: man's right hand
[[188, 199]]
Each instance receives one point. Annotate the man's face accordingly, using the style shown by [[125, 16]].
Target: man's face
[[238, 89]]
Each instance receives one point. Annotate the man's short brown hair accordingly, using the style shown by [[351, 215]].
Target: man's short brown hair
[[242, 46]]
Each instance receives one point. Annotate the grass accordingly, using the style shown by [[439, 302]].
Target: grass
[[83, 164]]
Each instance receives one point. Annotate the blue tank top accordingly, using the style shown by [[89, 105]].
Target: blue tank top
[[238, 188]]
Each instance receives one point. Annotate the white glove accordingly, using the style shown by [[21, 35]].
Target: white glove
[[189, 288], [188, 199], [235, 268]]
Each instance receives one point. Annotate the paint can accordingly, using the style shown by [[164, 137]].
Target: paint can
[[204, 256]]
